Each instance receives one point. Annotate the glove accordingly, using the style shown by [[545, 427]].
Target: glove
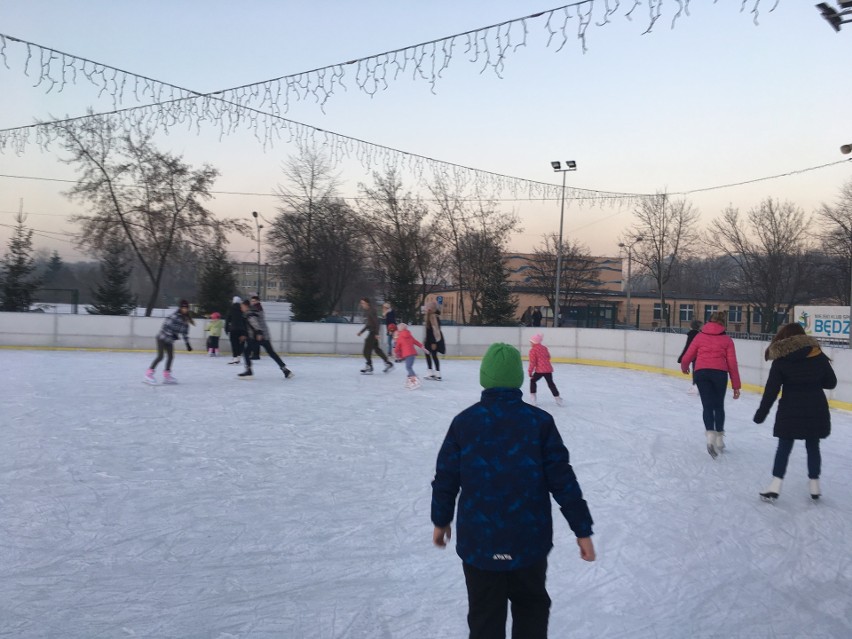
[[759, 417], [188, 346]]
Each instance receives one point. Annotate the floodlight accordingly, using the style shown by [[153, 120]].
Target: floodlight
[[556, 166], [846, 149]]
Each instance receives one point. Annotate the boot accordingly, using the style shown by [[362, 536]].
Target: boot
[[711, 443], [813, 485], [236, 360], [210, 352], [532, 399], [720, 440], [437, 376], [773, 491]]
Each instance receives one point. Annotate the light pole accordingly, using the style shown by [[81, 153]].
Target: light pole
[[570, 165], [629, 247], [259, 226]]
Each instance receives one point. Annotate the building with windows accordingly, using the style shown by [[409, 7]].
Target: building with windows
[[265, 281]]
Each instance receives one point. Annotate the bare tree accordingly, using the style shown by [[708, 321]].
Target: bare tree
[[147, 198], [669, 229], [580, 272], [395, 224], [315, 239], [458, 220], [770, 249], [836, 240]]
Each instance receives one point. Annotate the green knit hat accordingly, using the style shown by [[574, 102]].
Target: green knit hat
[[501, 367]]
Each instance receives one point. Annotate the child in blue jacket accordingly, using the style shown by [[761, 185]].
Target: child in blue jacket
[[507, 458]]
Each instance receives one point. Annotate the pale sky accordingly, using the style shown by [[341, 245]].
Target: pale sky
[[715, 100]]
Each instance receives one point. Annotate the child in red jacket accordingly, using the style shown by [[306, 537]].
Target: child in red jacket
[[539, 367], [405, 351]]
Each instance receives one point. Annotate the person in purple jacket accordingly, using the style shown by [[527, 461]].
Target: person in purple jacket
[[507, 458]]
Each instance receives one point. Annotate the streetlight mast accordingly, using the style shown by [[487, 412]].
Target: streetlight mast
[[570, 165], [259, 226], [629, 287]]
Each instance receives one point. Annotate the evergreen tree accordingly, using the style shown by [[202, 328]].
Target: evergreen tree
[[217, 281], [113, 295], [498, 305], [18, 270], [54, 267]]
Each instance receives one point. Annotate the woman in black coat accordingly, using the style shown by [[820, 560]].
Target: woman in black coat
[[802, 370]]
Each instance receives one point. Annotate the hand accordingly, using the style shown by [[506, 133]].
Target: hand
[[434, 347], [441, 535], [188, 347], [587, 548], [736, 393], [258, 337], [685, 372], [242, 338]]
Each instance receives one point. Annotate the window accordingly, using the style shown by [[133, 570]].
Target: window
[[756, 315], [709, 309], [687, 312], [735, 314], [657, 315]]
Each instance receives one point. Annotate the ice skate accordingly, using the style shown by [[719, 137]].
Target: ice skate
[[168, 378], [149, 377], [412, 383], [720, 440], [210, 353], [558, 400], [813, 487], [246, 374], [429, 375], [435, 377], [388, 366], [693, 390], [533, 399], [711, 443], [236, 360], [771, 493], [288, 374], [367, 370]]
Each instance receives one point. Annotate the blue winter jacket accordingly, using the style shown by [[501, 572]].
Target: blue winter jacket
[[507, 458]]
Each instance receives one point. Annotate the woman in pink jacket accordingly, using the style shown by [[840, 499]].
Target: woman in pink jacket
[[714, 355]]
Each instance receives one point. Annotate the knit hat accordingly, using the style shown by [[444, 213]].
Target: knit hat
[[215, 316], [402, 326], [501, 367], [237, 300], [536, 339], [183, 303]]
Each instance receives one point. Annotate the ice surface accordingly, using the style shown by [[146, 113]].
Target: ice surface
[[270, 508]]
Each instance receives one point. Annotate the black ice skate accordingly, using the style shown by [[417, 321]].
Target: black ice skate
[[367, 370]]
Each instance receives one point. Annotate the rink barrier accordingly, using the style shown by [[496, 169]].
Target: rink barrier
[[636, 350]]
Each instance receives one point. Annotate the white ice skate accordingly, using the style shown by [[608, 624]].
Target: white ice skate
[[149, 377], [168, 378]]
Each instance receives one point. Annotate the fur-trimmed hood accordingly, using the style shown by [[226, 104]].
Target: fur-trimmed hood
[[785, 347]]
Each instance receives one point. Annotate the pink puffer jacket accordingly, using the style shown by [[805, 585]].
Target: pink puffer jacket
[[712, 349], [539, 360]]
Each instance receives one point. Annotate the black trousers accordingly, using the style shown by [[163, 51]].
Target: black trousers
[[548, 377], [236, 344], [488, 593], [430, 355], [371, 343], [253, 346], [167, 348]]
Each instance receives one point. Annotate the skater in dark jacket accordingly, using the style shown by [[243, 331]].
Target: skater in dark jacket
[[235, 329], [258, 335], [800, 371], [371, 342], [176, 326], [507, 458], [433, 340]]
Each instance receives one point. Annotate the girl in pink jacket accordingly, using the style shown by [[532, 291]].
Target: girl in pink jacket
[[539, 367], [715, 358], [405, 351]]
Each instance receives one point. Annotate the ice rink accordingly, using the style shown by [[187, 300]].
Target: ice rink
[[222, 508]]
